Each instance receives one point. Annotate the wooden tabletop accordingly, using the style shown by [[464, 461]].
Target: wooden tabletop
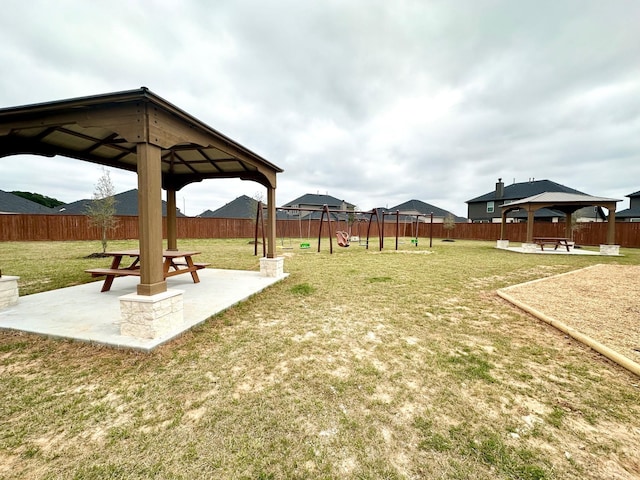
[[165, 253]]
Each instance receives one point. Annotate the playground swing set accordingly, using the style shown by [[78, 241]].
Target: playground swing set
[[343, 237], [414, 231]]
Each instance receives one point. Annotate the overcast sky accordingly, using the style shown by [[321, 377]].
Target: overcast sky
[[372, 101]]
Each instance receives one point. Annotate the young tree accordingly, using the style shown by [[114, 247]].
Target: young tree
[[576, 226], [449, 223], [102, 209]]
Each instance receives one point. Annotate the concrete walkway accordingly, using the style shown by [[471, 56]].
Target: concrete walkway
[[84, 313]]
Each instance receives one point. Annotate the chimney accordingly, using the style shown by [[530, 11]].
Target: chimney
[[499, 189]]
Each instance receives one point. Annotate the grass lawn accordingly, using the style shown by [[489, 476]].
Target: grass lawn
[[361, 364]]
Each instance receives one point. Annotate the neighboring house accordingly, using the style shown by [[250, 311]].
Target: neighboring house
[[631, 214], [590, 214], [241, 207], [10, 203], [315, 202], [408, 210], [126, 204], [486, 208]]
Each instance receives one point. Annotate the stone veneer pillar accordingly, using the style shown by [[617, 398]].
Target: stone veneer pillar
[[609, 249], [151, 316], [272, 267], [8, 291]]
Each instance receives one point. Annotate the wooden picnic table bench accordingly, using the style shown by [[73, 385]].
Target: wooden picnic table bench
[[555, 241], [175, 262]]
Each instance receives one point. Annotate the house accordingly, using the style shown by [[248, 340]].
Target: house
[[126, 204], [10, 203], [631, 214], [409, 209], [486, 208], [242, 207], [309, 203]]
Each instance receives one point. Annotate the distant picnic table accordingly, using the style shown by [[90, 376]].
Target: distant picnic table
[[175, 262], [555, 241]]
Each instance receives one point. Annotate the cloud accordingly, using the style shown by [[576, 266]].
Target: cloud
[[372, 101]]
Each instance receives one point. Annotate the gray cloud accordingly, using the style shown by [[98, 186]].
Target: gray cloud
[[375, 102]]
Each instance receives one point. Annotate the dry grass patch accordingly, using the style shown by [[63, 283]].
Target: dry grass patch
[[359, 365]]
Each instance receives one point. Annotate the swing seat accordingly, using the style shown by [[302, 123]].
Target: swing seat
[[343, 239], [305, 245]]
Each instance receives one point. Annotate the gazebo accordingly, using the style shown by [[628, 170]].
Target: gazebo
[[141, 132], [566, 203]]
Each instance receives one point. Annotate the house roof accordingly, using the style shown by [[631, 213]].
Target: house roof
[[126, 203], [107, 129], [636, 194], [516, 191], [10, 203], [317, 200], [413, 207], [629, 213], [242, 207]]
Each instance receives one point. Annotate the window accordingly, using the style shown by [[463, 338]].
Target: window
[[490, 207]]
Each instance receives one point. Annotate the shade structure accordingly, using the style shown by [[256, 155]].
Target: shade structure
[[139, 131], [564, 202]]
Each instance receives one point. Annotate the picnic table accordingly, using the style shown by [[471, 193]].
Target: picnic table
[[175, 262], [555, 241]]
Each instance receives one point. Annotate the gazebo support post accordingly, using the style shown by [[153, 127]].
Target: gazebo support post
[[172, 232], [530, 213], [611, 248], [271, 222], [150, 220], [528, 245], [611, 225], [271, 265], [503, 243], [154, 311]]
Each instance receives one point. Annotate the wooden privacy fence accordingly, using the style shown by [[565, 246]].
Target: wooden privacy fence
[[78, 227]]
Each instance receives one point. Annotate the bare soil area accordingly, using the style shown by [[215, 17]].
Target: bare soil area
[[601, 301]]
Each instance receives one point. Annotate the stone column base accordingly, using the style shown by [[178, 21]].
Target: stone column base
[[272, 267], [502, 244], [530, 247], [8, 291], [609, 249], [151, 316]]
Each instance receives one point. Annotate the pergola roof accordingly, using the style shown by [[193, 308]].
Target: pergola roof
[[105, 129]]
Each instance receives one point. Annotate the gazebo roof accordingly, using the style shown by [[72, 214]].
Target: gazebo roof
[[106, 129], [559, 199]]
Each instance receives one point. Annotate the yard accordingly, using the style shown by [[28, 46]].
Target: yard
[[361, 364]]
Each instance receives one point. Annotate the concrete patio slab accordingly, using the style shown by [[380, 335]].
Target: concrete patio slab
[[83, 313], [563, 251]]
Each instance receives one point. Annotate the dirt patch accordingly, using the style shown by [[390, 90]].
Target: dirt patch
[[601, 301]]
